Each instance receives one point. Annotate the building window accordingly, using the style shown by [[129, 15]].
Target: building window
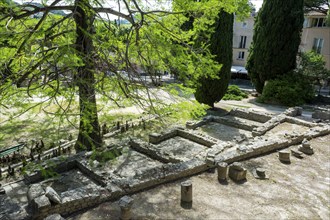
[[244, 24], [241, 55], [318, 22], [317, 45], [242, 43]]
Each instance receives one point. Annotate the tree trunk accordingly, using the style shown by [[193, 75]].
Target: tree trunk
[[89, 136]]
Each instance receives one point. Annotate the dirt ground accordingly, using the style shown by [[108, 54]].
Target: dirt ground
[[299, 190]]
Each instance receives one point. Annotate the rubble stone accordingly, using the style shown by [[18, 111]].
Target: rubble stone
[[54, 217], [34, 191], [52, 195], [41, 202]]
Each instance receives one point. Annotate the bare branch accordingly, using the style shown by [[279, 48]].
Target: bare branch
[[114, 12]]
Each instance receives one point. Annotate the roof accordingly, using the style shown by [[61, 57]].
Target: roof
[[315, 13]]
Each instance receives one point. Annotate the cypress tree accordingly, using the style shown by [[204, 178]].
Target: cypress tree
[[276, 40], [211, 90]]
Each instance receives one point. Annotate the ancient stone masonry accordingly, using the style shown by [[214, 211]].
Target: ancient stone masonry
[[237, 172], [83, 181], [322, 113]]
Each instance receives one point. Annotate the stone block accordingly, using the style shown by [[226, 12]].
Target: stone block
[[52, 195], [323, 115], [190, 125], [297, 153], [284, 156], [260, 173], [210, 159], [54, 217], [237, 172], [293, 112], [34, 191], [306, 150], [41, 203], [154, 138]]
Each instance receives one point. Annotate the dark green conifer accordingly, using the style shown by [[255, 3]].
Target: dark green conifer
[[276, 40], [210, 90]]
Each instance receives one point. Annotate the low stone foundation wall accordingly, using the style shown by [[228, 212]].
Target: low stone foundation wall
[[55, 164], [203, 140], [236, 122], [251, 115], [156, 138], [194, 125], [240, 118], [267, 146], [92, 175], [151, 151], [72, 201], [272, 123]]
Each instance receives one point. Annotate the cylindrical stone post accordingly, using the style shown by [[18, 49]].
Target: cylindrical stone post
[[125, 213], [222, 169], [125, 204], [186, 192]]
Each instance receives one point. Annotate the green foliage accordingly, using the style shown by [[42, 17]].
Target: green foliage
[[291, 90], [312, 65], [316, 5], [210, 90], [275, 40], [234, 93], [105, 155], [186, 110], [60, 57], [46, 172], [179, 90]]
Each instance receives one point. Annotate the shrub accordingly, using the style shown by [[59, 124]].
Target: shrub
[[234, 93], [312, 65], [290, 90]]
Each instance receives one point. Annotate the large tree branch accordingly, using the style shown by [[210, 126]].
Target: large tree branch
[[114, 12], [43, 9]]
